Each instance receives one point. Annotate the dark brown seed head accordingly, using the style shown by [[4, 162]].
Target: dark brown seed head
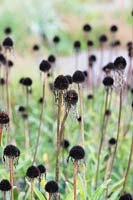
[[5, 185], [113, 28], [35, 47], [8, 30], [103, 38], [69, 78], [44, 66], [32, 172], [108, 81], [7, 43], [126, 196], [71, 97], [42, 169], [112, 141], [77, 45], [2, 59], [65, 144], [86, 28], [2, 81], [77, 153], [10, 63], [51, 59], [4, 118], [90, 43], [56, 39], [11, 151], [78, 77], [120, 63], [27, 81], [51, 187], [61, 83]]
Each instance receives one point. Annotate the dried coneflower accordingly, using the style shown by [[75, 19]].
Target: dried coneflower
[[77, 47], [91, 61], [60, 84], [52, 188], [12, 153], [5, 186], [56, 41], [44, 67], [69, 78], [31, 174], [36, 47], [8, 30], [42, 171], [102, 40], [27, 82], [126, 196], [8, 43], [87, 28], [76, 153], [4, 121]]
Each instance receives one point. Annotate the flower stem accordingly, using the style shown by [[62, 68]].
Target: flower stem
[[4, 195], [0, 135], [75, 178], [11, 177], [50, 196], [32, 189]]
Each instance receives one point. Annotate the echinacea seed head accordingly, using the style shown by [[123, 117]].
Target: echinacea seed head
[[24, 116], [107, 112], [86, 28], [77, 153], [44, 66], [27, 81], [103, 38], [71, 97], [5, 185], [108, 67], [35, 47], [90, 96], [69, 78], [32, 172], [42, 169], [51, 59], [112, 141], [4, 118], [11, 151], [51, 187], [126, 196], [8, 43], [90, 43], [21, 109], [56, 39], [79, 119], [65, 144], [2, 59], [85, 73], [2, 81], [21, 80], [113, 28], [10, 63], [61, 83], [108, 81], [8, 30], [78, 77], [40, 100], [120, 63], [77, 45]]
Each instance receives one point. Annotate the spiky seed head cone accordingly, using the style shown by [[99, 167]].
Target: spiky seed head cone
[[90, 96], [108, 112], [65, 144], [69, 78], [52, 58], [11, 151], [7, 43], [120, 63], [90, 43], [42, 169], [32, 172], [27, 81], [5, 185], [112, 141], [126, 197], [108, 81], [78, 77], [77, 153], [51, 187], [71, 97], [103, 38], [21, 109], [35, 47], [61, 83], [113, 28], [87, 28], [44, 66], [56, 39], [4, 118], [77, 45]]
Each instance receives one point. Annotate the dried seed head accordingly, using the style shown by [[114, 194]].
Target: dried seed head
[[86, 28], [77, 45], [52, 59], [11, 151], [71, 97], [10, 63], [21, 80], [69, 78], [108, 67], [4, 118], [92, 58], [35, 47], [108, 81], [113, 28], [90, 96], [77, 153], [61, 83], [126, 197], [51, 187], [42, 169], [44, 66], [78, 77], [21, 109], [5, 185], [79, 119], [107, 112], [103, 38], [2, 59], [85, 73], [8, 30], [120, 63], [2, 81], [27, 81], [32, 172], [40, 100], [8, 43], [112, 141], [24, 116], [65, 144], [90, 43], [56, 39]]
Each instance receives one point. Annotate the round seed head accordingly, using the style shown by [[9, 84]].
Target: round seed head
[[71, 97], [42, 169], [112, 141], [35, 47], [103, 38], [5, 185], [86, 28], [113, 28], [65, 144], [126, 197], [44, 66], [21, 80], [117, 43], [61, 83], [11, 151], [108, 81], [24, 116], [90, 96], [90, 43], [56, 39], [78, 77], [77, 153], [7, 42], [51, 187], [77, 45], [8, 30], [32, 172], [40, 100], [27, 81], [120, 63], [69, 78], [10, 63], [4, 118], [52, 59], [2, 81], [85, 73], [108, 67], [92, 58], [2, 59], [21, 109], [107, 112], [79, 119]]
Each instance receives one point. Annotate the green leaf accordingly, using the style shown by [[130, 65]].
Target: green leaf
[[39, 194]]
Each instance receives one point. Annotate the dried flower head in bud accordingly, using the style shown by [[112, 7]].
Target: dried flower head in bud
[[21, 109], [5, 185], [108, 81], [8, 30], [69, 78], [2, 81], [78, 77], [86, 28], [27, 81], [126, 196], [113, 28], [42, 169], [77, 45], [35, 47], [8, 43], [32, 172], [2, 59], [103, 38], [56, 39], [44, 66], [65, 144], [61, 83], [120, 63], [90, 96], [112, 141], [51, 187], [4, 118], [10, 63], [76, 153], [71, 97], [52, 59], [11, 151]]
